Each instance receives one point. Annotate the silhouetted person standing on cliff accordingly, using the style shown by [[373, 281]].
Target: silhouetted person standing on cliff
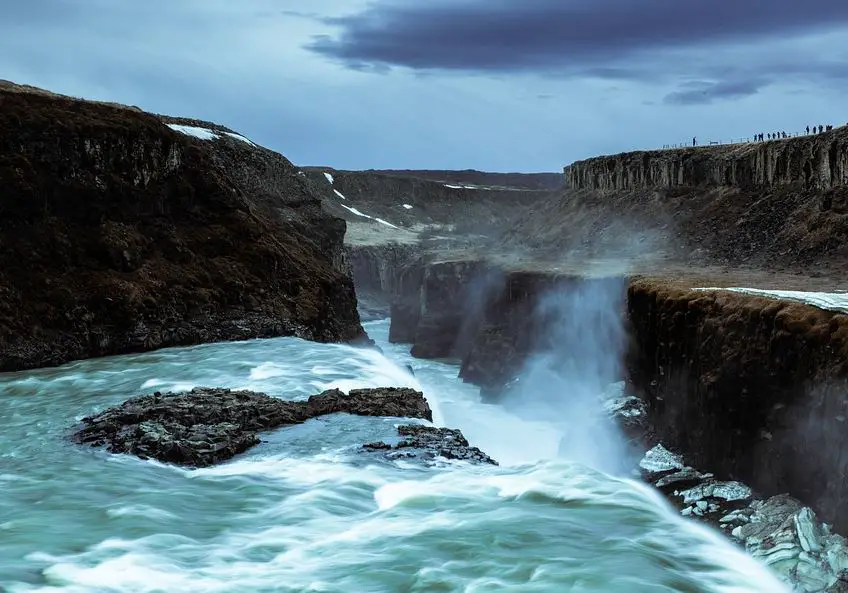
[[821, 128], [768, 136], [808, 129], [694, 141], [761, 137]]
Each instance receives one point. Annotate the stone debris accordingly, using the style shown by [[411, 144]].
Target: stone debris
[[659, 460], [780, 531], [430, 443]]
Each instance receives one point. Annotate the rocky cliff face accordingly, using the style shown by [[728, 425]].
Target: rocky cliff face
[[817, 161], [120, 234], [754, 388], [385, 275]]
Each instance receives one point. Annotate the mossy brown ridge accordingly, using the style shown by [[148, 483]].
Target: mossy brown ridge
[[119, 234]]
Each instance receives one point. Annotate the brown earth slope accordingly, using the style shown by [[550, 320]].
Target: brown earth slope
[[118, 234], [780, 205]]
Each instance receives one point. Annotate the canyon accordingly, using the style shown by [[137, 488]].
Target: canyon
[[749, 386], [139, 231]]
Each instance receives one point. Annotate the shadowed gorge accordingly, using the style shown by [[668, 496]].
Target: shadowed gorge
[[594, 370]]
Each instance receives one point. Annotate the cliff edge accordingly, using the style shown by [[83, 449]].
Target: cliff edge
[[817, 161], [124, 231]]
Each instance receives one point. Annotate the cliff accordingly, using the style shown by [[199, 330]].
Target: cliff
[[121, 234], [817, 161], [777, 205], [753, 388]]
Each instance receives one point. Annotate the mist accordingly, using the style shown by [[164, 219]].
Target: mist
[[577, 354]]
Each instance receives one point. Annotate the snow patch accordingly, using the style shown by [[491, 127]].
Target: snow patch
[[201, 133], [831, 301], [453, 186], [381, 221], [358, 213], [407, 206], [206, 133], [239, 137], [355, 211], [329, 177], [338, 193]]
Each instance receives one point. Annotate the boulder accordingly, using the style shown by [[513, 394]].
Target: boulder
[[430, 442], [205, 426]]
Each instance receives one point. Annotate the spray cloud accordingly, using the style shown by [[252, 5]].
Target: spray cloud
[[578, 350]]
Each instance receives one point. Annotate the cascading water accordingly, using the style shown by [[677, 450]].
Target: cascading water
[[307, 511]]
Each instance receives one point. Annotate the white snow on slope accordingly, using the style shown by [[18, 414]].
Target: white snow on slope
[[407, 206], [202, 133], [338, 193], [206, 133], [358, 213], [831, 301], [355, 211], [381, 221], [453, 186], [461, 186], [239, 137], [329, 177]]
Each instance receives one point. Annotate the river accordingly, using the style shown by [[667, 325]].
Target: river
[[307, 511]]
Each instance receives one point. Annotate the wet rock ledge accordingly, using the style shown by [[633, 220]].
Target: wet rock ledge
[[779, 531], [206, 426]]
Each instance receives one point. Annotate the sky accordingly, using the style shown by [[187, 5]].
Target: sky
[[497, 85]]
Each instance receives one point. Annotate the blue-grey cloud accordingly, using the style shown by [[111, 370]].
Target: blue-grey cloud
[[505, 35], [704, 92]]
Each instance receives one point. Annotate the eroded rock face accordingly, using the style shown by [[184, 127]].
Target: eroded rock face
[[428, 443], [134, 236], [819, 161], [749, 387], [205, 426]]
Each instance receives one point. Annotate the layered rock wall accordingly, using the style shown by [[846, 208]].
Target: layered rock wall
[[755, 389], [751, 387], [119, 234], [817, 161]]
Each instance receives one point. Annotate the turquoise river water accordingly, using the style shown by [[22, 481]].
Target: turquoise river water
[[307, 511]]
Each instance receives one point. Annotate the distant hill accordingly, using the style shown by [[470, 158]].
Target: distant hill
[[534, 181]]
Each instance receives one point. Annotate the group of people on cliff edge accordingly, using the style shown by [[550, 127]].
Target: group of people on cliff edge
[[781, 135]]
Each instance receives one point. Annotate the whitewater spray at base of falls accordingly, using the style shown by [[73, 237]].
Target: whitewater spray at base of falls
[[307, 510]]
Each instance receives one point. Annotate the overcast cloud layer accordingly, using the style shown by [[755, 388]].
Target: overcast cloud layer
[[489, 84]]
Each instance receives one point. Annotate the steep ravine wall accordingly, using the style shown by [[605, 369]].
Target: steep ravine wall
[[119, 234], [817, 161], [752, 388]]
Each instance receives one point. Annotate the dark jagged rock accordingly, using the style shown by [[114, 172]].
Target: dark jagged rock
[[429, 442], [208, 425], [119, 234]]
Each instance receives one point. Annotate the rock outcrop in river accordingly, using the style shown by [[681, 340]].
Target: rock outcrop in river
[[124, 231], [430, 442], [208, 425]]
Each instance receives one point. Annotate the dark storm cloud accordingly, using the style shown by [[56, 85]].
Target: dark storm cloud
[[559, 35], [703, 92]]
